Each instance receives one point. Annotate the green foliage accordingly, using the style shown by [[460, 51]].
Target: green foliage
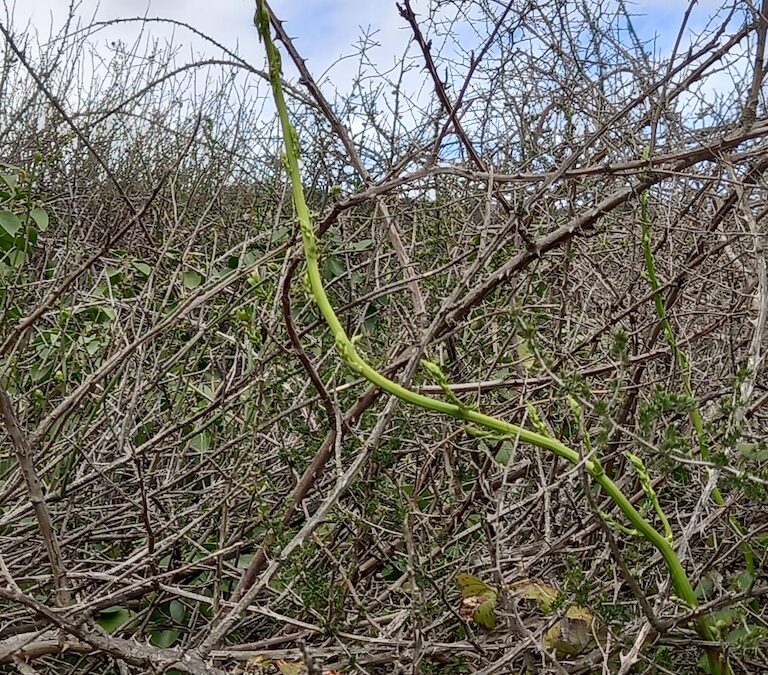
[[22, 218], [661, 404], [112, 618], [194, 442], [478, 600], [358, 364]]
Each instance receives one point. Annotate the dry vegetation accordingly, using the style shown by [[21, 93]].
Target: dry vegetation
[[568, 214]]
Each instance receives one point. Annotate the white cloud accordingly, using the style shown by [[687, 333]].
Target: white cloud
[[326, 33], [325, 30]]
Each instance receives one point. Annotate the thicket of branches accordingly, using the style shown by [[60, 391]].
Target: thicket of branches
[[562, 213]]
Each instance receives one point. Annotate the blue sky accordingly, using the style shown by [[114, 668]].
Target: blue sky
[[324, 30]]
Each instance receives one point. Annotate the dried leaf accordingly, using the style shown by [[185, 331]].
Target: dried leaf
[[469, 605], [480, 610], [572, 634]]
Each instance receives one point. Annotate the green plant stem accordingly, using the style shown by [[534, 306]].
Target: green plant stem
[[683, 364], [358, 365]]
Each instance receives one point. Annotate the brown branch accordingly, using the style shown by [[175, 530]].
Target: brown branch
[[80, 135], [750, 108], [26, 462], [307, 480], [474, 62], [47, 302], [655, 164], [130, 651], [439, 86], [579, 225]]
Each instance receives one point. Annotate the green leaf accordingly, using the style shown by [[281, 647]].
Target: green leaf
[[112, 618], [747, 638], [31, 237], [9, 222], [164, 638], [725, 617], [280, 234], [142, 267], [10, 179], [744, 580], [178, 611], [754, 451], [525, 355], [201, 441], [249, 257], [92, 345], [333, 268], [40, 216], [40, 372], [362, 245], [16, 259], [505, 453], [106, 314], [191, 280], [704, 589], [244, 560]]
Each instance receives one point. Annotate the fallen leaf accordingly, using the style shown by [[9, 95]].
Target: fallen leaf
[[472, 586], [290, 667], [478, 600]]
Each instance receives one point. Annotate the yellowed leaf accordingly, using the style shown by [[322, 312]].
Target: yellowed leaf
[[569, 636], [535, 589], [580, 613], [256, 665], [478, 600], [472, 586], [525, 354], [290, 667], [484, 614]]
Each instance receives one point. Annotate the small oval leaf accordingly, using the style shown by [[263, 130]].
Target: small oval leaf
[[164, 638], [10, 222], [112, 618], [178, 611], [142, 267], [40, 216], [191, 280]]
